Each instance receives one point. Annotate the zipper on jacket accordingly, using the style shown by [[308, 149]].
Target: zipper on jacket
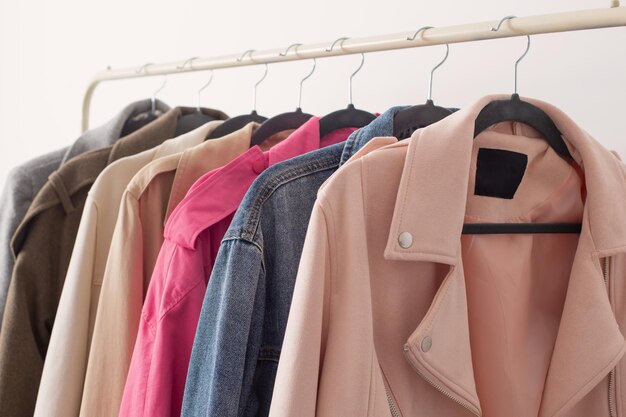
[[438, 387], [612, 408], [395, 412]]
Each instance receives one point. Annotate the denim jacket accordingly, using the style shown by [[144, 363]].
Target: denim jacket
[[242, 324]]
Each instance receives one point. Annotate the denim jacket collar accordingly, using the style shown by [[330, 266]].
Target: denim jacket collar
[[381, 126]]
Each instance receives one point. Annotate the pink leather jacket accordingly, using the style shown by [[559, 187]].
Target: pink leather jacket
[[396, 313]]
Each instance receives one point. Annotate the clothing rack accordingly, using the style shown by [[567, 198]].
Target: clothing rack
[[613, 16]]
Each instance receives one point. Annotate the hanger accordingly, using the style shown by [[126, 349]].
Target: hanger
[[143, 119], [238, 122], [284, 121], [409, 120], [517, 110], [350, 116], [188, 122]]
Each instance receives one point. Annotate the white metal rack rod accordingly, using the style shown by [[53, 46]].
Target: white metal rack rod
[[519, 26]]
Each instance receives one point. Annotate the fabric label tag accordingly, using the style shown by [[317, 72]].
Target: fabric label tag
[[499, 173]]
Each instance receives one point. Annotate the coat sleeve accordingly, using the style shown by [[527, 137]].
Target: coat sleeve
[[16, 197], [302, 356], [228, 337], [63, 374], [118, 315], [29, 315]]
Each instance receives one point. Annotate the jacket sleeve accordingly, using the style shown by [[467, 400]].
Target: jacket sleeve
[[63, 374], [16, 197], [302, 356], [117, 318], [227, 343]]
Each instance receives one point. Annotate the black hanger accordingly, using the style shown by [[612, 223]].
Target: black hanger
[[188, 122], [348, 117], [137, 122], [516, 110], [407, 121], [235, 123], [238, 122], [276, 124], [284, 121], [144, 119]]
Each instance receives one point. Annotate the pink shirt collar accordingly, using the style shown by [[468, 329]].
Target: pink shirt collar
[[218, 193]]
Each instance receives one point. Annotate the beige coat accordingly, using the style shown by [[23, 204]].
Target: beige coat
[[63, 376], [395, 313]]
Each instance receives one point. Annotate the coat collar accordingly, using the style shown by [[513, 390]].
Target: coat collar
[[381, 126], [78, 174], [439, 158], [108, 133]]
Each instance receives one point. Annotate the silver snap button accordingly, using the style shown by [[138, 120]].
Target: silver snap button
[[405, 240], [427, 343], [405, 348]]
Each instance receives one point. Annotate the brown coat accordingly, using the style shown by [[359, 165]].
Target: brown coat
[[43, 246]]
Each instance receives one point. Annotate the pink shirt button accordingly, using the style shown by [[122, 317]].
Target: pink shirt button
[[259, 165]]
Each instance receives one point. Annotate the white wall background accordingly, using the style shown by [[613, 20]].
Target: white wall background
[[50, 49]]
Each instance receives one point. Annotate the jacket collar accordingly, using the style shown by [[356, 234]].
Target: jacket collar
[[381, 126], [219, 193], [439, 158], [205, 157], [81, 172], [155, 133]]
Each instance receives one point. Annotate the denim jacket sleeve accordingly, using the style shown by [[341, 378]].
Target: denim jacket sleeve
[[228, 326]]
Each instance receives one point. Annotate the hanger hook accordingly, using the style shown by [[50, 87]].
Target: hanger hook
[[302, 82], [202, 89], [520, 59], [248, 52], [144, 68], [504, 19], [432, 72], [188, 61], [422, 29], [158, 90], [339, 40], [255, 88], [284, 53], [497, 28], [352, 76]]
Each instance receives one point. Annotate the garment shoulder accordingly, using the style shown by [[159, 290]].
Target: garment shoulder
[[18, 190], [147, 175], [300, 173], [115, 177], [351, 172], [26, 179]]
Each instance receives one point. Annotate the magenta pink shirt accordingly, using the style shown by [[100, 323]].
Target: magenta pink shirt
[[193, 233]]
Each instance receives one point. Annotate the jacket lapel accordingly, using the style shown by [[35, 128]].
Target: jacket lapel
[[430, 207]]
